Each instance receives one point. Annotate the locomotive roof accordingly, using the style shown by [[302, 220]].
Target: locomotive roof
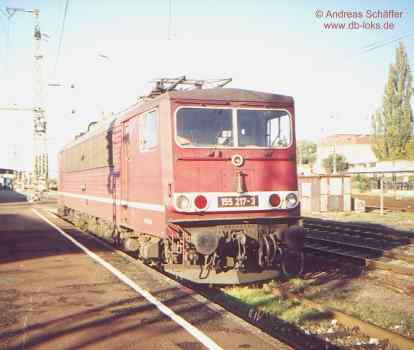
[[213, 94], [230, 94], [95, 128]]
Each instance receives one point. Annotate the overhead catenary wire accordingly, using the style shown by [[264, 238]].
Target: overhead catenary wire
[[6, 27], [378, 45], [62, 31], [381, 42], [8, 15], [5, 30], [169, 18], [2, 12]]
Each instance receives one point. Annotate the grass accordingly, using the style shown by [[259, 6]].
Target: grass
[[366, 302], [297, 284], [381, 315], [267, 300]]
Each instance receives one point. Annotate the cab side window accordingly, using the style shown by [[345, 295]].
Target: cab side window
[[148, 131]]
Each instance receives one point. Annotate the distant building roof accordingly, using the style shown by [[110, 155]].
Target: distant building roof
[[6, 171], [387, 166], [346, 139], [356, 148]]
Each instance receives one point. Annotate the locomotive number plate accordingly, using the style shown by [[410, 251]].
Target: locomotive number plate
[[238, 201]]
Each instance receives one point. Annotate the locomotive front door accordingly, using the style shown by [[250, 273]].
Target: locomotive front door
[[125, 163]]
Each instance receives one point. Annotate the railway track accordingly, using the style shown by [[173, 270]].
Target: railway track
[[369, 208], [297, 337], [372, 247], [390, 204], [395, 339], [280, 330], [346, 323], [361, 230], [301, 338]]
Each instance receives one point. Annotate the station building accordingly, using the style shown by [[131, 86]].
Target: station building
[[356, 148]]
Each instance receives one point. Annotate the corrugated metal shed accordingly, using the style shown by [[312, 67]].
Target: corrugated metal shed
[[321, 193]]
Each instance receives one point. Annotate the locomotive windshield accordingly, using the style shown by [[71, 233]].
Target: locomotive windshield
[[213, 127], [205, 127], [263, 128]]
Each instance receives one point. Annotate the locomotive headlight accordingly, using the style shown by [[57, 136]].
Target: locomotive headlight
[[291, 200], [182, 202]]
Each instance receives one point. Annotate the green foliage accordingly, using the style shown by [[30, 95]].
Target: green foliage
[[267, 302], [362, 182], [341, 164], [392, 124], [410, 149], [52, 184], [378, 144], [306, 152]]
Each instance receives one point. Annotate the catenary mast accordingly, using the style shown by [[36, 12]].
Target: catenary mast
[[40, 156]]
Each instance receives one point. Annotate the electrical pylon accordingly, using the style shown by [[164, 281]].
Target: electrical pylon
[[40, 156]]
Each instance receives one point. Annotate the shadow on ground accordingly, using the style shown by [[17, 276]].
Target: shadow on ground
[[24, 236], [7, 196], [112, 320]]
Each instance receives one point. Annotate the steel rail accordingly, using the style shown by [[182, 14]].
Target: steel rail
[[368, 226], [372, 330], [388, 208], [381, 242], [392, 254], [359, 232], [357, 229], [369, 263]]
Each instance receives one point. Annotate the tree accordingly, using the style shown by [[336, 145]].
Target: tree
[[378, 144], [306, 152], [341, 164], [410, 149], [392, 124], [362, 182]]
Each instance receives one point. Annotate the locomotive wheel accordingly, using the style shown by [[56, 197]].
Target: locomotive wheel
[[292, 262]]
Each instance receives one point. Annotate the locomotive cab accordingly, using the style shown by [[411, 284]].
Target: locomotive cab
[[233, 212], [200, 182]]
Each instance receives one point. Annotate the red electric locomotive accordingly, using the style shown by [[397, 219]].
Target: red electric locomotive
[[200, 181]]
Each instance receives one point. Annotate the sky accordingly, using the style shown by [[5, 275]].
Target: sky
[[112, 49]]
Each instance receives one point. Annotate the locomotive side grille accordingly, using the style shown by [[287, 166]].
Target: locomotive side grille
[[94, 152]]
